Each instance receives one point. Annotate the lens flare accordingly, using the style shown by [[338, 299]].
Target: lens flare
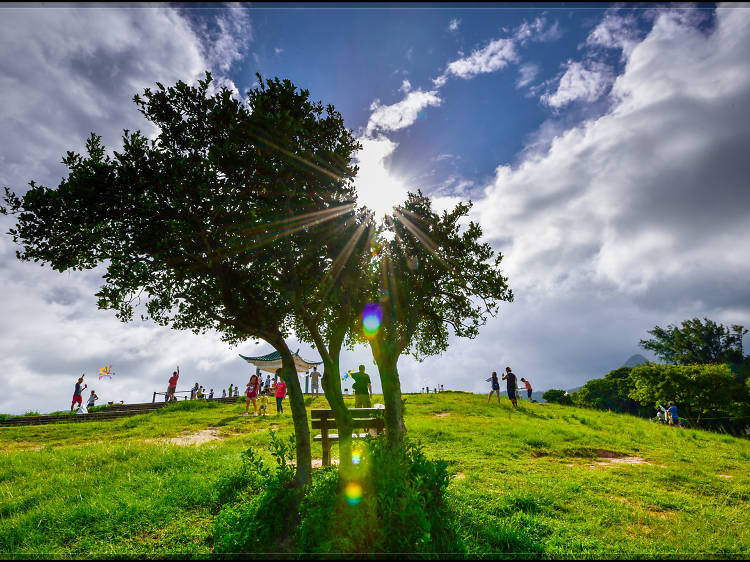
[[356, 456], [372, 314], [353, 493]]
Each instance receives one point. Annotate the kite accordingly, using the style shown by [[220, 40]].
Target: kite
[[348, 375], [106, 372]]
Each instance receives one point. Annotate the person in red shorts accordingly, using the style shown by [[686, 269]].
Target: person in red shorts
[[251, 393], [77, 398]]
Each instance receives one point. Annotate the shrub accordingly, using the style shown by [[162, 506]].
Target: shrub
[[401, 507], [558, 397]]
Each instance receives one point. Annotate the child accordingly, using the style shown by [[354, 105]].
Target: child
[[263, 402], [211, 394], [495, 387], [251, 392], [92, 398], [223, 392]]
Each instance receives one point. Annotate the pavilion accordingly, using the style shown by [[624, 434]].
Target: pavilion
[[272, 361]]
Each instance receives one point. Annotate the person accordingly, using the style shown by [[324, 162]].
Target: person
[[672, 411], [200, 393], [172, 385], [264, 400], [211, 394], [77, 398], [661, 414], [251, 393], [314, 378], [362, 388], [92, 398], [528, 387], [495, 387], [194, 392], [510, 379], [223, 392], [236, 391], [230, 390], [268, 381], [260, 381], [280, 387]]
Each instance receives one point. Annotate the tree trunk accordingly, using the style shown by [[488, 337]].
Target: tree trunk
[[332, 390], [394, 411], [299, 414], [331, 382]]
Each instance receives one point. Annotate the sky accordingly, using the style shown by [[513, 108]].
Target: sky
[[604, 148]]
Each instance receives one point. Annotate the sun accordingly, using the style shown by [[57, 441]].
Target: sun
[[376, 187]]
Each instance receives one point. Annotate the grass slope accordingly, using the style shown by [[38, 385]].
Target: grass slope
[[526, 480]]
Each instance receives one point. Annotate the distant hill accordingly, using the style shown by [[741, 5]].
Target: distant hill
[[635, 360]]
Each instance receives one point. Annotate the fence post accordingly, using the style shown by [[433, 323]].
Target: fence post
[[154, 398]]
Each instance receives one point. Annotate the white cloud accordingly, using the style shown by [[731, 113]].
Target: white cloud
[[376, 187], [535, 31], [405, 87], [581, 81], [278, 50], [526, 74], [401, 114], [66, 72], [495, 56], [453, 25], [648, 199], [615, 31]]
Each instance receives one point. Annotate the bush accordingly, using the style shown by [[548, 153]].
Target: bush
[[558, 397], [393, 501]]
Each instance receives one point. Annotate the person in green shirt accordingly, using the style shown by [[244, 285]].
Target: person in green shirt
[[362, 388]]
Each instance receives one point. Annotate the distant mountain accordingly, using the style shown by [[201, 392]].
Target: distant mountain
[[635, 360]]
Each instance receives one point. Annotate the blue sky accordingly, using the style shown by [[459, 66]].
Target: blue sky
[[603, 147]]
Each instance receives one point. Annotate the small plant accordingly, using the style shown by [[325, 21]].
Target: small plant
[[268, 515]]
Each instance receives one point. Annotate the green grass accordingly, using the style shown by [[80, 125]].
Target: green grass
[[526, 480]]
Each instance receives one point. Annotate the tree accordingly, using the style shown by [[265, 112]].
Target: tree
[[428, 278], [214, 223], [610, 393], [558, 397], [697, 342], [702, 392], [328, 315]]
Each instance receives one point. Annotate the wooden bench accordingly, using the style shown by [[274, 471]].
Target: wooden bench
[[362, 418]]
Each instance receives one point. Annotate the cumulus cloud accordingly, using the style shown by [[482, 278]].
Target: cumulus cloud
[[64, 73], [581, 81], [453, 25], [616, 31], [494, 56], [649, 197], [400, 114], [376, 187]]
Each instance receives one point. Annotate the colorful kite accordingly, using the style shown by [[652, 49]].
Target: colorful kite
[[347, 375], [106, 372]]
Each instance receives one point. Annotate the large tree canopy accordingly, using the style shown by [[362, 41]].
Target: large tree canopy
[[430, 276], [697, 342], [216, 223]]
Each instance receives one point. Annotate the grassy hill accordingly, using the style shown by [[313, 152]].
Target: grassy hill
[[546, 479]]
